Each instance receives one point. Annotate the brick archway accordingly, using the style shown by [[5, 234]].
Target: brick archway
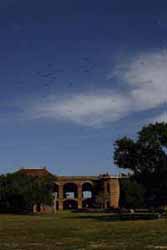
[[70, 204], [87, 190], [105, 190], [70, 190]]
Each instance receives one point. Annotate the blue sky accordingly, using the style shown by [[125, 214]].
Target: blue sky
[[74, 77]]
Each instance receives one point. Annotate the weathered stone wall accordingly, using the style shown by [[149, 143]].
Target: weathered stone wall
[[109, 190], [115, 192]]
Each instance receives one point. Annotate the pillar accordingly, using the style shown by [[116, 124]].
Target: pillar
[[54, 203], [115, 192], [61, 196], [110, 192], [79, 195], [35, 208], [105, 194]]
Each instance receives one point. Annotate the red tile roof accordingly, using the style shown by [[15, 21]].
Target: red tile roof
[[35, 171]]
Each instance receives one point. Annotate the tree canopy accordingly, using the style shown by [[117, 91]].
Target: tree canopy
[[19, 192], [146, 158]]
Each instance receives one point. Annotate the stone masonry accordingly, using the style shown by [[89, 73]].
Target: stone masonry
[[71, 192]]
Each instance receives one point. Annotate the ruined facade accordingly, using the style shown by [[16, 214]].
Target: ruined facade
[[71, 192]]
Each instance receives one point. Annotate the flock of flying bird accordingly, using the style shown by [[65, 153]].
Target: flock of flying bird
[[50, 76]]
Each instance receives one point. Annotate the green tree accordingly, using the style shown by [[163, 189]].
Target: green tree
[[146, 159], [131, 194], [19, 192]]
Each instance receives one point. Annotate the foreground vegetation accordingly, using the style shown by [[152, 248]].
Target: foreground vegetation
[[70, 231], [20, 191], [145, 156]]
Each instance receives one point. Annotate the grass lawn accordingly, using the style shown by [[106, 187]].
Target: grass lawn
[[70, 231]]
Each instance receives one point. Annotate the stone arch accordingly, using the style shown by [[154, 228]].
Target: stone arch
[[87, 190], [70, 204], [87, 194], [88, 203], [70, 190]]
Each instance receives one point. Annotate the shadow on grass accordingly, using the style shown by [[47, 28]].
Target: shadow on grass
[[118, 217]]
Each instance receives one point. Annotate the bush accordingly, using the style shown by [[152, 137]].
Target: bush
[[131, 195], [135, 216]]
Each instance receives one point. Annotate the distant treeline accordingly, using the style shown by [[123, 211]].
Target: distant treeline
[[19, 192]]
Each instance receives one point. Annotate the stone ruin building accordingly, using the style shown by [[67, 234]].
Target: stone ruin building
[[72, 192]]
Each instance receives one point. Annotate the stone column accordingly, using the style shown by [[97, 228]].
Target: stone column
[[105, 194], [79, 195], [35, 208], [61, 196], [54, 203], [115, 192], [110, 192]]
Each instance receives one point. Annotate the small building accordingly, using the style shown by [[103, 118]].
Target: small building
[[72, 192]]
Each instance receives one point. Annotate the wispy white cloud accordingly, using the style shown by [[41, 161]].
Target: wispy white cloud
[[87, 109], [145, 80]]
